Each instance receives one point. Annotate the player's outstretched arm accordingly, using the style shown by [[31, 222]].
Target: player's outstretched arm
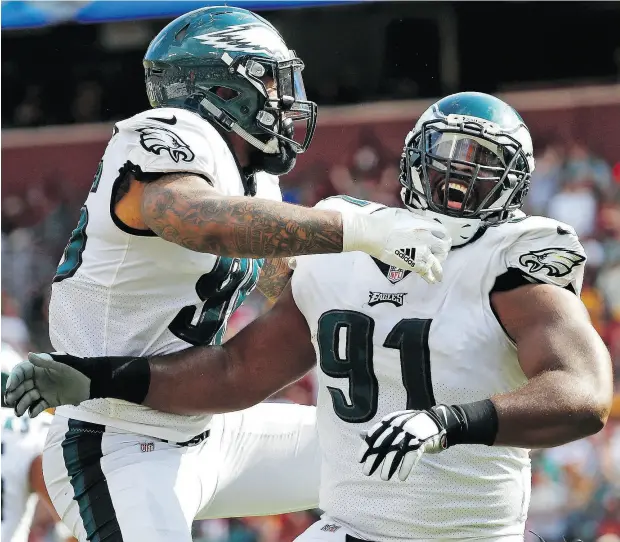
[[570, 386], [265, 356], [568, 395], [268, 354], [186, 210]]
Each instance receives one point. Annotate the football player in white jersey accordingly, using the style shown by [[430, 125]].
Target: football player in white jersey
[[169, 242], [449, 383]]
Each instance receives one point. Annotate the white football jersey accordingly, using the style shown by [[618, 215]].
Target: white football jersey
[[121, 291], [388, 341], [22, 442]]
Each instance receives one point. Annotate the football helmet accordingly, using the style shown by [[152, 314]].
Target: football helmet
[[232, 67], [467, 163]]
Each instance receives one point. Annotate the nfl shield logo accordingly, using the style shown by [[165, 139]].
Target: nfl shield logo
[[394, 274]]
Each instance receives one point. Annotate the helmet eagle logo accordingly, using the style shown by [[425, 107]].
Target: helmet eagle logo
[[247, 37]]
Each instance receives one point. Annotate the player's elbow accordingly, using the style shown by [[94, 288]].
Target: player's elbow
[[593, 417], [599, 392], [590, 384], [593, 410]]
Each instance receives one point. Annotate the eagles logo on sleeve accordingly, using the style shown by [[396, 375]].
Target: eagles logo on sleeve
[[156, 139], [555, 262]]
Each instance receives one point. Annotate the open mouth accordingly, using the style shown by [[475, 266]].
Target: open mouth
[[456, 195]]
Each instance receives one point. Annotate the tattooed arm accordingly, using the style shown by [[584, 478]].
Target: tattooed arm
[[185, 210], [274, 277]]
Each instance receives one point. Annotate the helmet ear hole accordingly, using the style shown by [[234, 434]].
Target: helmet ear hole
[[224, 93]]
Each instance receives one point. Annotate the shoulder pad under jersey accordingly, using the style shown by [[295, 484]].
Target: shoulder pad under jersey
[[168, 140], [544, 250]]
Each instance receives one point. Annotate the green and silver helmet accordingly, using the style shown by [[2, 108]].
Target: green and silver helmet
[[232, 67], [467, 162]]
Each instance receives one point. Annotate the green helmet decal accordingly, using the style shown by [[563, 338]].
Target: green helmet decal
[[469, 156], [257, 38], [233, 67]]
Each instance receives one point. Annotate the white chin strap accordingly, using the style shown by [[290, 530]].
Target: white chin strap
[[271, 147], [461, 230]]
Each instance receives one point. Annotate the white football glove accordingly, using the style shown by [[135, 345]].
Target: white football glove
[[398, 441], [397, 237]]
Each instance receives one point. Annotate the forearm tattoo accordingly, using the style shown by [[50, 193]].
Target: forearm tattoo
[[274, 277], [239, 227]]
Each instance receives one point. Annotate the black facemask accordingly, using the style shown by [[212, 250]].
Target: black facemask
[[276, 164]]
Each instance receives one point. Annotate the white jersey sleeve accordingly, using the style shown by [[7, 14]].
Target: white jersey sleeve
[[169, 140], [546, 251]]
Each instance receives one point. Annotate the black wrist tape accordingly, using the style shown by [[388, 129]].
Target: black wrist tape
[[125, 378], [478, 424]]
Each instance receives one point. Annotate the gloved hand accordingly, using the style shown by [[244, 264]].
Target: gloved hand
[[46, 381], [398, 237], [400, 439], [51, 380]]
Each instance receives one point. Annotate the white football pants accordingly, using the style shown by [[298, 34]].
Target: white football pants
[[119, 486]]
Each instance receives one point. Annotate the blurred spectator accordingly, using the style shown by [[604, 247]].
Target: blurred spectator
[[29, 112], [87, 103], [545, 179], [548, 502], [14, 329], [581, 164], [610, 522], [575, 204]]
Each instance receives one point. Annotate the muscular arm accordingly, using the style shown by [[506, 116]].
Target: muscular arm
[[185, 210], [270, 353], [569, 390], [567, 395], [262, 358]]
